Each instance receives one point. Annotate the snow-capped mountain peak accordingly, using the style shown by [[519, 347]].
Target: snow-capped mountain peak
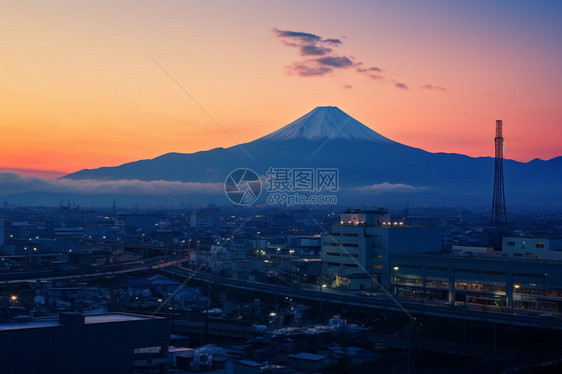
[[326, 122]]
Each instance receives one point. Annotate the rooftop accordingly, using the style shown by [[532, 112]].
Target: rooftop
[[249, 363], [88, 320], [307, 356]]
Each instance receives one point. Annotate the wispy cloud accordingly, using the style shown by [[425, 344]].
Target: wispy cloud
[[372, 72], [390, 188], [12, 183], [432, 87], [52, 174], [314, 50], [304, 37], [308, 45], [369, 69], [319, 58], [308, 69], [335, 61]]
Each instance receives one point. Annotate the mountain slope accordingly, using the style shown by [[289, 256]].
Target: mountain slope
[[323, 129], [326, 123], [328, 138]]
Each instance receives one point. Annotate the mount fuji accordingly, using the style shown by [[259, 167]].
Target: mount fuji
[[326, 123], [368, 163]]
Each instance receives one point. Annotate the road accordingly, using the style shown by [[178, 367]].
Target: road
[[168, 264], [98, 271], [383, 302]]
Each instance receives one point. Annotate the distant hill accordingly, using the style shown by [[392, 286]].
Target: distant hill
[[328, 137]]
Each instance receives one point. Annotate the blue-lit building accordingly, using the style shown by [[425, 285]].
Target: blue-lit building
[[543, 248]]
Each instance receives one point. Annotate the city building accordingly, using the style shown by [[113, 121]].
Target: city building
[[492, 280], [356, 252], [246, 367], [305, 245], [543, 248], [75, 343], [308, 362]]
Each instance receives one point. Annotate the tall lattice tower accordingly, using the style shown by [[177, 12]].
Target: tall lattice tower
[[499, 217]]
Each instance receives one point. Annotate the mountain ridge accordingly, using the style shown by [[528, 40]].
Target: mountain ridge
[[361, 157]]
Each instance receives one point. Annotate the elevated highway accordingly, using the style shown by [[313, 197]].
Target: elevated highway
[[381, 302]]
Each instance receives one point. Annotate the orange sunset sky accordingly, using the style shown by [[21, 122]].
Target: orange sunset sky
[[79, 88]]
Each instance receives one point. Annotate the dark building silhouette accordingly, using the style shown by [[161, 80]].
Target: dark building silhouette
[[74, 343]]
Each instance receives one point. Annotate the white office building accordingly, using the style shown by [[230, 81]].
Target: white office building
[[356, 251], [542, 248]]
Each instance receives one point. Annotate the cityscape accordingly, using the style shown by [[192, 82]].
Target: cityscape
[[173, 210]]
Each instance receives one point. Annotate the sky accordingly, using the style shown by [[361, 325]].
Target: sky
[[91, 84]]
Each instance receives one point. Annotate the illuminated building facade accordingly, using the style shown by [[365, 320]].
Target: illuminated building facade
[[356, 252], [494, 280]]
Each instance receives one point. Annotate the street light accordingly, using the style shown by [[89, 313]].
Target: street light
[[272, 316], [396, 268], [322, 298], [291, 251]]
